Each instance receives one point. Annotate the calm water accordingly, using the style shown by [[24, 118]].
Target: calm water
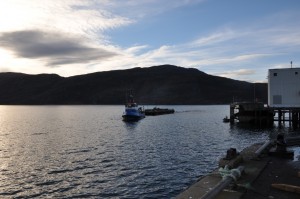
[[89, 152]]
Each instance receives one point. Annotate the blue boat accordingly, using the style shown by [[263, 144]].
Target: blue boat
[[132, 111]]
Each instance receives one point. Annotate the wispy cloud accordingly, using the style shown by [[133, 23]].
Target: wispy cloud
[[240, 72], [140, 9], [72, 16], [214, 38]]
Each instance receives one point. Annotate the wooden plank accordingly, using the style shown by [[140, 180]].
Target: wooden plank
[[287, 187]]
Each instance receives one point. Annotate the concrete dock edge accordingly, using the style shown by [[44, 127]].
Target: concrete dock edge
[[254, 167]]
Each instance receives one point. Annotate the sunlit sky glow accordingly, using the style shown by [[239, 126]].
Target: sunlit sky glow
[[232, 38]]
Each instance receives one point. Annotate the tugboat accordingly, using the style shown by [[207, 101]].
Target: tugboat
[[132, 111]]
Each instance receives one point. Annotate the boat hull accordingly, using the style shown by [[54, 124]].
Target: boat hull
[[131, 118]]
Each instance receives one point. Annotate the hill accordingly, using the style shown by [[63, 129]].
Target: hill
[[165, 84]]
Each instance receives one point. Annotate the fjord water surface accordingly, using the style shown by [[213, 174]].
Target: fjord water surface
[[89, 152]]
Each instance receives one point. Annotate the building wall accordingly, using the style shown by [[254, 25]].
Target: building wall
[[284, 87]]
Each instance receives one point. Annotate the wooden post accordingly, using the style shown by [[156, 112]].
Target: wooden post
[[231, 113], [290, 119], [294, 119], [298, 123], [279, 117], [260, 118]]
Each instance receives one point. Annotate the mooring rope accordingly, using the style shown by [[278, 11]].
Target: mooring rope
[[233, 173]]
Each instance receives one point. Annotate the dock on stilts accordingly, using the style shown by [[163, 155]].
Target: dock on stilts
[[260, 115], [287, 114], [254, 113]]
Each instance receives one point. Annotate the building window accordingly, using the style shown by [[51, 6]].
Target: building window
[[275, 74]]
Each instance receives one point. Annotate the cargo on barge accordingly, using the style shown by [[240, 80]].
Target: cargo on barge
[[159, 111]]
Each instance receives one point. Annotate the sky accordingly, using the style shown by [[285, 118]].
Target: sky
[[238, 39]]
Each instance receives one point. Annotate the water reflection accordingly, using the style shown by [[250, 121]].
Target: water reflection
[[296, 153], [131, 125], [88, 151]]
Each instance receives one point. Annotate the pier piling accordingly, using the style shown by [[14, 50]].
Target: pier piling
[[293, 116], [260, 115]]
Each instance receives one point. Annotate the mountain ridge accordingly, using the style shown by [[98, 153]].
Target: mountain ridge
[[163, 84]]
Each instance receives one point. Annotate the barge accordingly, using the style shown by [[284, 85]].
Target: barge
[[159, 111]]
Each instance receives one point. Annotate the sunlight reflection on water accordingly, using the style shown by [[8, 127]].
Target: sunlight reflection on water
[[89, 152]]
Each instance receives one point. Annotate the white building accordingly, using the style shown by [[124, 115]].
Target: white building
[[284, 87]]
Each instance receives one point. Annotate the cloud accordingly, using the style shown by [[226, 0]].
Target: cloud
[[216, 37], [140, 9], [71, 16], [88, 17], [71, 32], [240, 72], [136, 49], [55, 48], [52, 32], [5, 69], [237, 73]]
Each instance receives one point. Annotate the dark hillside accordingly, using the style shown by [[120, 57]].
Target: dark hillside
[[164, 84]]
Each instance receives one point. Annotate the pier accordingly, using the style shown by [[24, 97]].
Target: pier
[[261, 115], [254, 113], [270, 169], [287, 114], [263, 176]]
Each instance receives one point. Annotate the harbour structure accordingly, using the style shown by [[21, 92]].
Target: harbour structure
[[283, 101], [263, 173], [251, 113], [284, 87], [266, 167], [284, 95]]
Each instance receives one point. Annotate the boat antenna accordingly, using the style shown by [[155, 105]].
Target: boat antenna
[[291, 64]]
